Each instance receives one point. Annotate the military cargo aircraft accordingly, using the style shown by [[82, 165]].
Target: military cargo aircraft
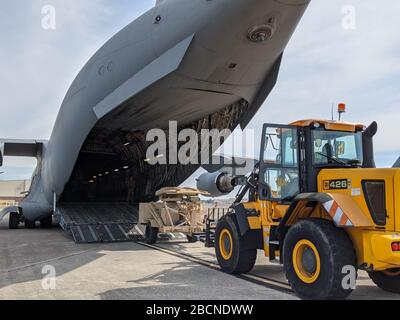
[[208, 64]]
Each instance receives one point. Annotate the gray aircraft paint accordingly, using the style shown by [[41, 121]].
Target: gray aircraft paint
[[397, 163], [176, 55]]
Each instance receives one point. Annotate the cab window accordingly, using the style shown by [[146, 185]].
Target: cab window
[[336, 147], [279, 167]]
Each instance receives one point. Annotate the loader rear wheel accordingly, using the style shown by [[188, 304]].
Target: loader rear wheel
[[232, 255], [13, 221], [151, 234], [388, 280], [315, 253]]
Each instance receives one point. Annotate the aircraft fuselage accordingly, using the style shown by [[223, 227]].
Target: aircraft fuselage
[[182, 60]]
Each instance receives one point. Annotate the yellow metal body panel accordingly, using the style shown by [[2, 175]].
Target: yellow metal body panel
[[373, 248], [254, 223], [356, 192], [330, 124], [371, 242], [352, 210], [397, 199], [268, 210]]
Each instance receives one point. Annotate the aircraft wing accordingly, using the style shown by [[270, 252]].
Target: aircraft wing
[[397, 163], [20, 148]]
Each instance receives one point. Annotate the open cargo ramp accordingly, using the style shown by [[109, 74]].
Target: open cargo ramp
[[100, 222]]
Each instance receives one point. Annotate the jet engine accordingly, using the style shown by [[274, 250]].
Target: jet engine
[[218, 183]]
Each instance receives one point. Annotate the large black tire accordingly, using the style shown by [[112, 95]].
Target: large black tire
[[232, 255], [388, 280], [191, 239], [315, 253], [151, 234], [46, 223], [29, 224], [13, 221]]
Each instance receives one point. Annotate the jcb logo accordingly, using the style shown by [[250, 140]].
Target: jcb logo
[[349, 280]]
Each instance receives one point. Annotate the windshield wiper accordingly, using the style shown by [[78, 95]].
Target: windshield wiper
[[332, 158], [354, 162]]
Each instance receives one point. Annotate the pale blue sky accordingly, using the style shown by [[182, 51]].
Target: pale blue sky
[[323, 64]]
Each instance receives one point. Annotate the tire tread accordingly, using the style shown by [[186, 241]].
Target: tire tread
[[341, 248]]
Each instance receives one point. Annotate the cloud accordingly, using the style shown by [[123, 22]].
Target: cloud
[[38, 66], [326, 64]]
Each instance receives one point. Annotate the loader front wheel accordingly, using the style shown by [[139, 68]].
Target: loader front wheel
[[388, 280], [315, 254], [232, 254], [151, 234]]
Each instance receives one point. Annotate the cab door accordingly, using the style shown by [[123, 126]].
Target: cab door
[[279, 177]]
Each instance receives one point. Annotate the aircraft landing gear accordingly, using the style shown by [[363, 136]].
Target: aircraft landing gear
[[46, 223], [14, 220], [29, 224]]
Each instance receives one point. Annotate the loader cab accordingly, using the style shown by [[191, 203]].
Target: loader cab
[[293, 155]]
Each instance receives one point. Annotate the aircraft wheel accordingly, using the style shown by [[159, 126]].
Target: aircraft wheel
[[29, 224], [151, 234], [388, 280], [47, 222], [191, 239], [315, 253], [13, 221], [231, 253]]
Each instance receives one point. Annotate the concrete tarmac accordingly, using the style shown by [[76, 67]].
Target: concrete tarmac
[[127, 271], [108, 271]]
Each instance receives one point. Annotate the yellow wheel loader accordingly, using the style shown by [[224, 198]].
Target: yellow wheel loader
[[318, 205]]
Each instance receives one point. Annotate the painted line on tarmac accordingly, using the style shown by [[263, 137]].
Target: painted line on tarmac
[[43, 262], [263, 281]]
